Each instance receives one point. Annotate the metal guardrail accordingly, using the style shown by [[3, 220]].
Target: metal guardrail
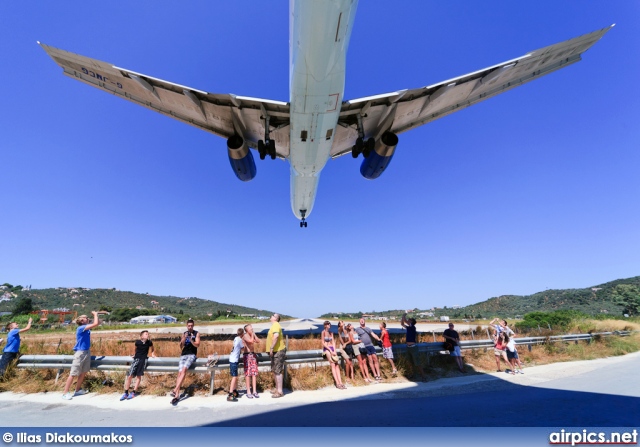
[[313, 356]]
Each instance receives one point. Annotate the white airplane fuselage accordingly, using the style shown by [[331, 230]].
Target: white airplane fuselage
[[319, 34]]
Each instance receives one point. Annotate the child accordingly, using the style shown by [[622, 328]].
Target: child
[[12, 348], [234, 359], [387, 351], [139, 364], [512, 355]]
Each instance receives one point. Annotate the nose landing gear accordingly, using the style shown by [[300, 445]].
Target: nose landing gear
[[303, 222]]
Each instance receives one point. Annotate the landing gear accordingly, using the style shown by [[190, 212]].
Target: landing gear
[[267, 147], [303, 222], [362, 147]]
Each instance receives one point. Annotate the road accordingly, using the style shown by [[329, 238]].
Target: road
[[603, 392]]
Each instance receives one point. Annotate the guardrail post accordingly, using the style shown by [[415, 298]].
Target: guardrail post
[[212, 380], [434, 336], [58, 375], [286, 345], [472, 335]]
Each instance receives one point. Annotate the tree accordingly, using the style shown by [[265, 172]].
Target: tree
[[23, 306], [627, 296]]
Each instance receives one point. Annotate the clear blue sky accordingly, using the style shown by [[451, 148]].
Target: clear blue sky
[[534, 189]]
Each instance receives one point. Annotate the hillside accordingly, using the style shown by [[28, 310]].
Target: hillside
[[593, 300], [85, 300]]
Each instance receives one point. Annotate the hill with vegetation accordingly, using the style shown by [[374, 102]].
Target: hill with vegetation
[[614, 298], [122, 305]]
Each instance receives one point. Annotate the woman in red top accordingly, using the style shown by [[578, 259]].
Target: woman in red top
[[499, 349], [387, 352]]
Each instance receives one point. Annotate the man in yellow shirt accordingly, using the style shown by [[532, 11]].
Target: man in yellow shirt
[[277, 352]]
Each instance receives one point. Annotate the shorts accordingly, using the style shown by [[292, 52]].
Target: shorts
[[387, 353], [250, 364], [498, 352], [81, 363], [456, 352], [349, 350], [137, 367], [414, 354], [277, 361], [356, 350], [233, 369], [371, 350], [512, 355], [186, 361]]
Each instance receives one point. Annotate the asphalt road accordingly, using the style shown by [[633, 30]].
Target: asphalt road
[[603, 392]]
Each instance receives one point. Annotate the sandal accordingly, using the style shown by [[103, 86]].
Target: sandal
[[175, 401], [276, 395]]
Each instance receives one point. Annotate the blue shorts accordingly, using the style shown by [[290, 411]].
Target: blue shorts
[[512, 355], [371, 350], [233, 369]]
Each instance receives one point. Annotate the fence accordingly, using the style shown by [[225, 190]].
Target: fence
[[293, 359]]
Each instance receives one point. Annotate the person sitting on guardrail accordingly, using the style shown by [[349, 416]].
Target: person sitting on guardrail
[[453, 337], [140, 356], [250, 360], [189, 343], [346, 351], [499, 347], [81, 364], [329, 350], [412, 347], [359, 351], [12, 348], [387, 349], [234, 359], [366, 336]]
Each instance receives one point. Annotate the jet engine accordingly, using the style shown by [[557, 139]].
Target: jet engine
[[240, 158], [380, 157]]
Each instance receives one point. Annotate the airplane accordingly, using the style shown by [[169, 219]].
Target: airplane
[[317, 123]]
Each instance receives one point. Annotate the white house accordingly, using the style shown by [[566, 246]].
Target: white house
[[147, 319]]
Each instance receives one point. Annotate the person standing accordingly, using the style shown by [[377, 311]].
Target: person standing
[[277, 352], [250, 360], [366, 335], [189, 343], [412, 347], [140, 356], [454, 338], [12, 348], [82, 358], [234, 359], [387, 349]]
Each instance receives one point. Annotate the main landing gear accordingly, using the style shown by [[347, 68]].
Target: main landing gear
[[303, 222], [267, 147], [363, 147]]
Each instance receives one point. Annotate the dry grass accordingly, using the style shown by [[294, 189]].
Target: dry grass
[[308, 378]]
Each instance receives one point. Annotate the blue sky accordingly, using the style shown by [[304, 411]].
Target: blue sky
[[534, 189]]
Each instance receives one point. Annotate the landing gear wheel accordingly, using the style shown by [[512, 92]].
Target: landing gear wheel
[[272, 149], [368, 147], [262, 150]]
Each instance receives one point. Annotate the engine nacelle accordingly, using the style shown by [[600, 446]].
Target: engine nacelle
[[241, 158], [380, 157]]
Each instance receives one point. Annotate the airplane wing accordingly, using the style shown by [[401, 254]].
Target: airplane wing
[[221, 114], [406, 109]]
